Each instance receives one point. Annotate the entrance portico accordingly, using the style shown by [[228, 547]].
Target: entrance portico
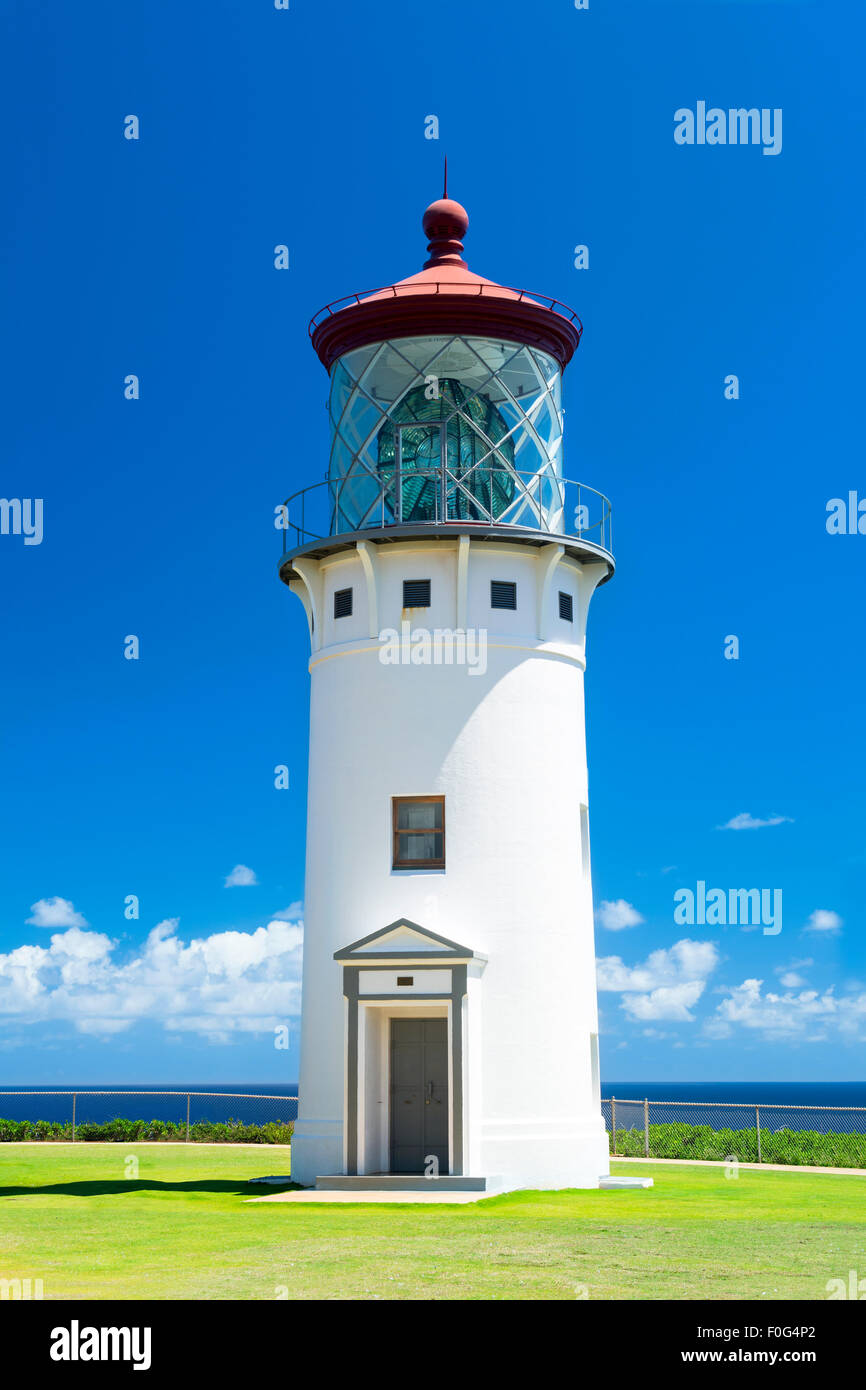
[[408, 1052]]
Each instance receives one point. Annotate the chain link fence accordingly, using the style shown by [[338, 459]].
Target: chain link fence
[[180, 1116], [824, 1136]]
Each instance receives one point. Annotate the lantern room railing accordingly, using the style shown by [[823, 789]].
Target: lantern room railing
[[498, 499], [433, 287]]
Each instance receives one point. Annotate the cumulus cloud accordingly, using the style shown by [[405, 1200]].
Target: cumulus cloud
[[744, 821], [55, 912], [241, 877], [216, 985], [789, 975], [290, 913], [822, 919], [617, 915], [810, 1014], [667, 985]]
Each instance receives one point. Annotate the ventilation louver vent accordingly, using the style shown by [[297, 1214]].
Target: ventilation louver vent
[[342, 603], [503, 594], [566, 607], [416, 593]]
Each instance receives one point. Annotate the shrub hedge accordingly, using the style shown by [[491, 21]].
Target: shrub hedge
[[129, 1131], [794, 1146]]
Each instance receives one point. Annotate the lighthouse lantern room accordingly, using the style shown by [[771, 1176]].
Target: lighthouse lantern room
[[449, 1027]]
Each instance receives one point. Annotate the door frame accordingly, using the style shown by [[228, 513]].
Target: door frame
[[425, 1016], [366, 1068]]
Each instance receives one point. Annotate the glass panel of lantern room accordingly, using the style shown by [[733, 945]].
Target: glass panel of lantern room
[[488, 410]]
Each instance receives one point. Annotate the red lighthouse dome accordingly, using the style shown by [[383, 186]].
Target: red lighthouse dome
[[445, 297]]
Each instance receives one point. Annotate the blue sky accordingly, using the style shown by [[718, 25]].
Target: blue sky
[[155, 257]]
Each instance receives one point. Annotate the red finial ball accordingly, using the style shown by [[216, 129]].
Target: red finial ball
[[445, 218], [445, 223]]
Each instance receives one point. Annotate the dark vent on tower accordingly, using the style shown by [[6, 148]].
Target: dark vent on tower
[[566, 607], [342, 603], [503, 594], [416, 593]]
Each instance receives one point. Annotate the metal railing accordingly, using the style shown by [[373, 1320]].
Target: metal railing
[[434, 287], [819, 1135], [541, 502], [184, 1114], [796, 1135]]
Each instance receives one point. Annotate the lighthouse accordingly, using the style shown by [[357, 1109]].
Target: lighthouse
[[449, 1032]]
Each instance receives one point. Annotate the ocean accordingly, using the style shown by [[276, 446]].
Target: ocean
[[731, 1104], [223, 1103], [844, 1093]]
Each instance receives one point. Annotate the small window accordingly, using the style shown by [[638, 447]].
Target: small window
[[416, 593], [419, 832], [405, 979], [503, 594], [343, 603], [566, 607]]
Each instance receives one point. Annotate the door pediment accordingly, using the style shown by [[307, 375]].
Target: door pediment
[[403, 940]]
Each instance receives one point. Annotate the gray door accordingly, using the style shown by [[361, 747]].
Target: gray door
[[419, 1094]]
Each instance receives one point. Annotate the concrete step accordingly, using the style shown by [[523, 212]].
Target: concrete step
[[402, 1182]]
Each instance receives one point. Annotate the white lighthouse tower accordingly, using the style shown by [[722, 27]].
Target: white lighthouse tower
[[446, 564]]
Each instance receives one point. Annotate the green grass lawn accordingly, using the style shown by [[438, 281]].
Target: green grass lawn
[[71, 1216]]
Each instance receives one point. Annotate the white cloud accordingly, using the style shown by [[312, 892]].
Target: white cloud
[[290, 913], [55, 912], [789, 979], [241, 877], [822, 919], [217, 985], [744, 821], [617, 915], [808, 1014], [667, 985], [789, 975], [670, 1001]]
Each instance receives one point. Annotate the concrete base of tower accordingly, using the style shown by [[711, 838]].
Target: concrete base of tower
[[522, 1153], [545, 1155], [317, 1147]]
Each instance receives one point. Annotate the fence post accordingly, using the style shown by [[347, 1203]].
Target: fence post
[[646, 1127], [187, 1118], [73, 1117], [613, 1124], [758, 1129]]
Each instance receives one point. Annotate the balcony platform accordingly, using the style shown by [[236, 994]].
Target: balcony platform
[[318, 548]]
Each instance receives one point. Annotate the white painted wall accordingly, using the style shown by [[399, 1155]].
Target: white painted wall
[[507, 750]]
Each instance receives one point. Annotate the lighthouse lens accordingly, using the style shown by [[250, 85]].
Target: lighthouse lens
[[460, 467], [446, 429]]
